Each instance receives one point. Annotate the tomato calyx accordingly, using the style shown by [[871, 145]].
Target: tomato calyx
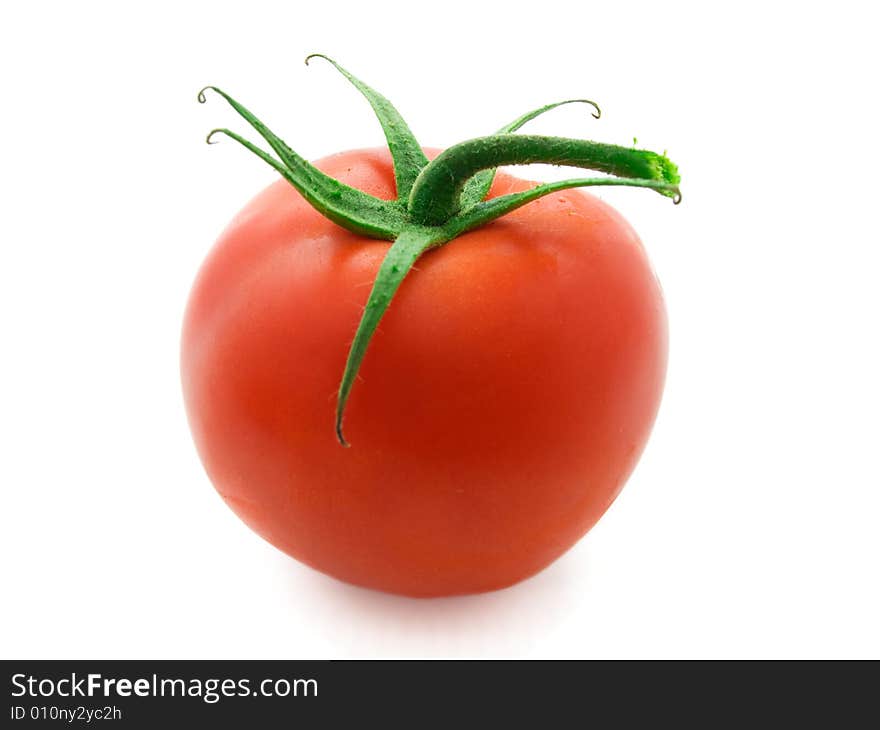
[[439, 200]]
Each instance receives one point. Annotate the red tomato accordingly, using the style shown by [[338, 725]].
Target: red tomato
[[499, 410]]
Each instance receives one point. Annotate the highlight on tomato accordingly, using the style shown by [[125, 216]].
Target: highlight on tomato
[[416, 374]]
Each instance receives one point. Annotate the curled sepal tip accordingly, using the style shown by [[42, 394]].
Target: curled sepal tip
[[263, 155], [516, 124]]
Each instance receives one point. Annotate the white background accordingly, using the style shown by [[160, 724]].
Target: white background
[[750, 528]]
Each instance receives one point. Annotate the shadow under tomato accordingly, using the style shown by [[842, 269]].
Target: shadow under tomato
[[358, 622]]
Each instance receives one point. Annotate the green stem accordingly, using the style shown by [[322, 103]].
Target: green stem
[[435, 197], [478, 186]]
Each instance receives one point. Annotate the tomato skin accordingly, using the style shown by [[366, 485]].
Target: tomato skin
[[501, 406]]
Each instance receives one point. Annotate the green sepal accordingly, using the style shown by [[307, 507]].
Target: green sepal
[[489, 210], [409, 159], [346, 206], [397, 263]]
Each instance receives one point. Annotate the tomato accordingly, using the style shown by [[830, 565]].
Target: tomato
[[503, 402]]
